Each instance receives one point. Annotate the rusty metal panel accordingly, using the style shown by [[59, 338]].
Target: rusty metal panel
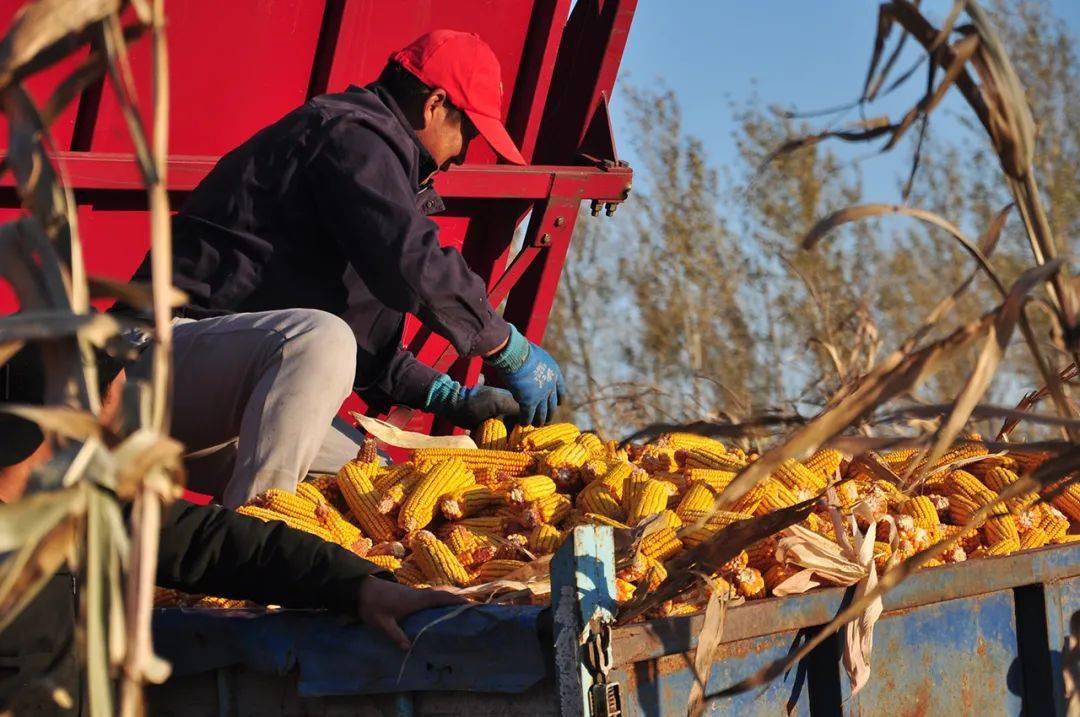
[[661, 686], [951, 658]]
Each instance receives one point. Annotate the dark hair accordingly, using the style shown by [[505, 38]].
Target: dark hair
[[408, 91]]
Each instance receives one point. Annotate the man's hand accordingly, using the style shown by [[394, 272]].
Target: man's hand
[[469, 407], [533, 377], [383, 602]]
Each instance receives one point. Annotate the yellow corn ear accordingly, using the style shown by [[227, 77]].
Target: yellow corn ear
[[397, 491], [435, 560], [307, 525], [749, 583], [544, 539], [716, 479], [998, 528], [391, 475], [661, 544], [593, 445], [410, 574], [679, 440], [1068, 501], [615, 480], [363, 500], [696, 502], [467, 501], [446, 476], [649, 500], [922, 511], [550, 509], [825, 462], [550, 437], [492, 434], [762, 555], [570, 455], [596, 498], [481, 525], [600, 519], [496, 570], [387, 562], [530, 488], [776, 496], [751, 500], [512, 463], [1004, 547], [1034, 538], [796, 476], [706, 457]]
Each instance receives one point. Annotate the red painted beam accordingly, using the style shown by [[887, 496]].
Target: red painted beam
[[103, 170]]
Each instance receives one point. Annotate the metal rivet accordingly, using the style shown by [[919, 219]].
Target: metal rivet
[[545, 239], [559, 221]]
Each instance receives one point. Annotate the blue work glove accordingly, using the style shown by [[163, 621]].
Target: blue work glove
[[468, 407], [532, 376]]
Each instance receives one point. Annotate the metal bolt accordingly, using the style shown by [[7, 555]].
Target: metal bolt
[[610, 208], [559, 221], [545, 239], [594, 208]]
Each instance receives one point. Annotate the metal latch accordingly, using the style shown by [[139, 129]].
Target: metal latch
[[605, 698]]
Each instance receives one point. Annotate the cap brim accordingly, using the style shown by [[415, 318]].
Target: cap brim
[[495, 134]]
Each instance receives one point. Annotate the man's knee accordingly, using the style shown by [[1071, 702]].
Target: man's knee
[[326, 345]]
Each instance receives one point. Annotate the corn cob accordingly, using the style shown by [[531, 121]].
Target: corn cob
[[897, 460], [690, 440], [480, 525], [387, 562], [512, 463], [655, 575], [596, 498], [624, 591], [220, 603], [467, 501], [526, 490], [544, 539], [594, 469], [496, 570], [310, 493], [958, 452], [715, 479], [410, 574], [751, 500], [1000, 528], [307, 525], [167, 597], [285, 503], [825, 462], [569, 456], [355, 484], [658, 459], [1054, 526], [550, 509], [599, 519], [1034, 538], [661, 544], [550, 437], [435, 560], [795, 475], [735, 564], [593, 445], [635, 570], [677, 608], [847, 494], [750, 584], [616, 479], [775, 575], [1003, 547], [1068, 501], [446, 476], [820, 525], [697, 501], [396, 492], [704, 457], [922, 510], [693, 535], [517, 433], [1027, 462], [389, 476], [1070, 538], [961, 508], [776, 496], [998, 479], [762, 554], [650, 499], [882, 553], [491, 434]]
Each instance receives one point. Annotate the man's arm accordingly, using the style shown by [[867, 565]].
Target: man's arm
[[212, 550], [366, 203]]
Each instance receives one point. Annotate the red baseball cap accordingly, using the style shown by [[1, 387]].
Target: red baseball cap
[[466, 67]]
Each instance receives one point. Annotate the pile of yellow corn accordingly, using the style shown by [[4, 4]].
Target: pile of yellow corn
[[470, 516]]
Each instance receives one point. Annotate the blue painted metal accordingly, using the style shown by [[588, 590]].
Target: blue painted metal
[[984, 637], [582, 599]]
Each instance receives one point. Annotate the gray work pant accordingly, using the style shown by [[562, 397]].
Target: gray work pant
[[255, 397]]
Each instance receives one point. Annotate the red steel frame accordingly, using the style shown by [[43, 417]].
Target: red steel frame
[[237, 66]]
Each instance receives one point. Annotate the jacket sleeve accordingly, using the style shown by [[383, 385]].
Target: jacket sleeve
[[212, 550], [403, 382], [367, 205]]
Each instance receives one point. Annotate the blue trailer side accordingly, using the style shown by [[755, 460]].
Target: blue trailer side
[[985, 637]]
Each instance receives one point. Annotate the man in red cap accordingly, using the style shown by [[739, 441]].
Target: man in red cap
[[302, 251]]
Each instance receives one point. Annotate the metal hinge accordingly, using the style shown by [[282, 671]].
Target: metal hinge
[[605, 698]]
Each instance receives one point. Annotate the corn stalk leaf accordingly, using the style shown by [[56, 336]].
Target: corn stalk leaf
[[71, 423], [47, 325], [712, 630]]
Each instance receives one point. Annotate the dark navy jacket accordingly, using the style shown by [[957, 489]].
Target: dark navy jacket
[[327, 209]]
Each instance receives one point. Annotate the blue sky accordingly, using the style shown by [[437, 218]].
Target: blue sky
[[807, 54]]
